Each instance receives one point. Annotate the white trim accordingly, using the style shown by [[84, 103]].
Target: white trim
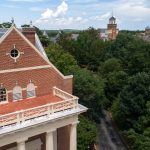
[[25, 69], [23, 89], [5, 102], [13, 27]]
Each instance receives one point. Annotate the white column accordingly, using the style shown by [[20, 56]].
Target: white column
[[55, 140], [50, 140], [21, 145], [73, 136]]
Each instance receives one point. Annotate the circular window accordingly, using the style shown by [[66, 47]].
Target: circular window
[[14, 53]]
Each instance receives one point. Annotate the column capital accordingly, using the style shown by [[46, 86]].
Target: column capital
[[22, 140], [75, 123], [51, 130]]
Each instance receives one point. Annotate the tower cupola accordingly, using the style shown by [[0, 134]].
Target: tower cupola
[[112, 20]]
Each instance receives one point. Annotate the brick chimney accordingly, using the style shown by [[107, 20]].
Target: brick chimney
[[29, 32]]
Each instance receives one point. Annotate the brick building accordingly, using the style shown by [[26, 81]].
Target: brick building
[[37, 108], [111, 32]]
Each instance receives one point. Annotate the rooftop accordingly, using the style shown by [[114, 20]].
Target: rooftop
[[29, 112], [112, 18], [23, 110], [28, 103]]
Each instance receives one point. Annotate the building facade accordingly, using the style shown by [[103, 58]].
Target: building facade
[[37, 108], [111, 32]]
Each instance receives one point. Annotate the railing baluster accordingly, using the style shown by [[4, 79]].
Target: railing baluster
[[69, 102]]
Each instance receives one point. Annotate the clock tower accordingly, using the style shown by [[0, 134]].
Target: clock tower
[[112, 29]]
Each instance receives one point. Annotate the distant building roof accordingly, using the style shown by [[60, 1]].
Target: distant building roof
[[112, 18], [103, 30], [2, 31], [45, 34], [147, 28]]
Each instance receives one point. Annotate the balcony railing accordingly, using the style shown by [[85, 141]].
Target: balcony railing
[[69, 102]]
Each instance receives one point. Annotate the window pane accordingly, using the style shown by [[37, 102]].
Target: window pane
[[17, 96], [2, 94], [31, 93]]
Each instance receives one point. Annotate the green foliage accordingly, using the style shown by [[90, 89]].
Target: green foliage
[[89, 50], [44, 40], [133, 98], [115, 82], [90, 88], [62, 60], [5, 25], [111, 65], [87, 85], [87, 133], [133, 52], [116, 74]]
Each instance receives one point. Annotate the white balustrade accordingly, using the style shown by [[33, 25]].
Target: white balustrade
[[69, 102]]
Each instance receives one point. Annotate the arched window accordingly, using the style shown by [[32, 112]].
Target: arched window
[[31, 90], [17, 93], [3, 94]]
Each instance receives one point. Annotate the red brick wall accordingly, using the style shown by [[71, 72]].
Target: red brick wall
[[112, 35], [29, 33], [28, 59], [63, 138], [44, 79]]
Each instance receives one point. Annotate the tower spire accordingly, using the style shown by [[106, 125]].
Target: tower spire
[[31, 23], [112, 13], [12, 21]]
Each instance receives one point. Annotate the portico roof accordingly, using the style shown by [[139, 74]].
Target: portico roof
[[28, 103]]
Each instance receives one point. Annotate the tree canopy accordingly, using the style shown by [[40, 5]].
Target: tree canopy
[[108, 74]]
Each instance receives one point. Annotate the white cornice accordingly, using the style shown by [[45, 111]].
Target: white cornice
[[25, 69]]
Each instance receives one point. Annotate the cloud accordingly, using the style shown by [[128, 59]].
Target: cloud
[[77, 13], [136, 9], [58, 17], [60, 11]]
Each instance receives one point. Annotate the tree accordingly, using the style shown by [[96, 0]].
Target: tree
[[133, 98], [114, 83], [90, 88], [111, 65], [62, 60], [5, 25], [87, 133], [90, 50], [87, 85]]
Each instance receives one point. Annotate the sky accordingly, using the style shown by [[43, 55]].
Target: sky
[[77, 14]]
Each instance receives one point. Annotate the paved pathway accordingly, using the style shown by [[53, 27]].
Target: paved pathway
[[109, 139]]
